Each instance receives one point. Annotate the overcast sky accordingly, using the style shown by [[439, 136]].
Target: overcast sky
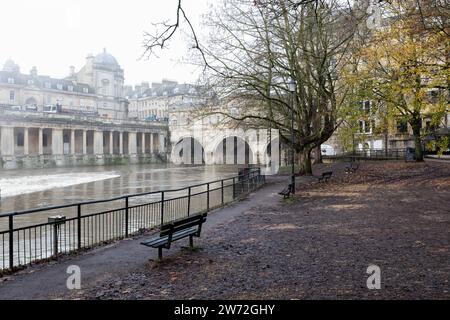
[[55, 34]]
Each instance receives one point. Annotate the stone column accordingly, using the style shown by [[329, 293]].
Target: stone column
[[84, 142], [132, 143], [120, 142], [151, 143], [98, 142], [72, 141], [7, 141], [26, 149], [57, 141], [161, 143], [143, 142], [111, 142], [40, 142]]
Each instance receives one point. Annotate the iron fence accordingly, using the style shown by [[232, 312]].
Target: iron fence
[[371, 154], [69, 228]]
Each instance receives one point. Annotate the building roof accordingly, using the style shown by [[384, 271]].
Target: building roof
[[106, 59], [10, 66], [44, 82]]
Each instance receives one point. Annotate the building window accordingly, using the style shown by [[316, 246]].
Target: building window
[[402, 126], [366, 107], [20, 139], [30, 82], [70, 88], [85, 90], [12, 95], [59, 86], [364, 126], [48, 85], [11, 80]]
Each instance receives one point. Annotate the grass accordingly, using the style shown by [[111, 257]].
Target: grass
[[290, 200], [288, 169]]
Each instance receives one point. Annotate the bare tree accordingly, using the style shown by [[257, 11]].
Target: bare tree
[[256, 48], [255, 51]]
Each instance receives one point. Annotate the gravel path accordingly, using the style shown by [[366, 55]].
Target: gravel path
[[317, 246]]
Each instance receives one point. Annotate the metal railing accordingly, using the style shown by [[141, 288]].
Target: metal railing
[[69, 228], [371, 154]]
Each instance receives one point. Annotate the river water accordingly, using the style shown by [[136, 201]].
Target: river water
[[28, 189], [38, 188]]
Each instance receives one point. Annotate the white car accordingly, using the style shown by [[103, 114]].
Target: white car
[[16, 107], [31, 107], [50, 108]]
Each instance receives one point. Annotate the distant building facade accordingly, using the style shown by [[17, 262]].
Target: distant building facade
[[97, 89], [81, 119], [162, 101]]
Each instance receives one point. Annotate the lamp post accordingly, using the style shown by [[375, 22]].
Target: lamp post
[[293, 89]]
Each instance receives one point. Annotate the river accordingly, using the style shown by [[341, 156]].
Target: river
[[27, 189]]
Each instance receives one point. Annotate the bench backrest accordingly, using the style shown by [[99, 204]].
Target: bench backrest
[[182, 224]]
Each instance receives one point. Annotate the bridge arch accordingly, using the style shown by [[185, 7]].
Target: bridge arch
[[232, 150], [188, 150]]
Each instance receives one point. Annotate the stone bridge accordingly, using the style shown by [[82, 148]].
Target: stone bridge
[[200, 144]]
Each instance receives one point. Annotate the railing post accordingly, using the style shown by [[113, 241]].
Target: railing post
[[126, 217], [207, 197], [55, 239], [79, 226], [11, 242], [222, 192], [189, 202], [234, 188], [248, 182], [162, 207]]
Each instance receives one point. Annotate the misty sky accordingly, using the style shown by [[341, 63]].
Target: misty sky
[[54, 34]]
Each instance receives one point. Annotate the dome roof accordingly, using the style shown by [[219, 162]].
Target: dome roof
[[10, 66], [106, 59]]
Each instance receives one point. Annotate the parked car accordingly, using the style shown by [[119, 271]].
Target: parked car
[[16, 108], [50, 108], [31, 107]]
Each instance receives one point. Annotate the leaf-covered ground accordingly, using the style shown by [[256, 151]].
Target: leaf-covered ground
[[395, 215]]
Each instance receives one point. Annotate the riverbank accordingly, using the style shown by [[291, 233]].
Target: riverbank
[[316, 246]]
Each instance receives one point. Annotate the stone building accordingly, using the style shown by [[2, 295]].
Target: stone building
[[81, 119], [97, 89], [161, 100], [35, 139]]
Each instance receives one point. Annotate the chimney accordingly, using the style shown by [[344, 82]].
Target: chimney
[[33, 71], [89, 58], [71, 71]]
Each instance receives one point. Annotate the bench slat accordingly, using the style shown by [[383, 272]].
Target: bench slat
[[182, 227], [183, 221], [156, 242]]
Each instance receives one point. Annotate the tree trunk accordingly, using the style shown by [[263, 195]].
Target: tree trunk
[[304, 160], [416, 125], [317, 155]]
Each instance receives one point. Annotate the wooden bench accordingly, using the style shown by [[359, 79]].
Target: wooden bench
[[325, 176], [287, 191], [188, 227]]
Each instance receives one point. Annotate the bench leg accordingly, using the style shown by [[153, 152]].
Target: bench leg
[[191, 241], [160, 253]]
